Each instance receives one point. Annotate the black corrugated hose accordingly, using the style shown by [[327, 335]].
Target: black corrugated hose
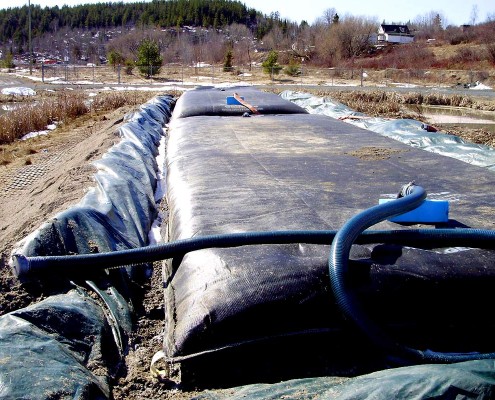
[[43, 268], [411, 196]]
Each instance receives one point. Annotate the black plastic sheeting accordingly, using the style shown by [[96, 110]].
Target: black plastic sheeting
[[266, 312], [48, 350], [213, 101], [45, 347], [116, 214], [468, 380]]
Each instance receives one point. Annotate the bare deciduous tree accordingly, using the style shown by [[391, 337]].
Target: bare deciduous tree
[[355, 35], [241, 40], [429, 25], [329, 15], [216, 47], [349, 38], [276, 40], [474, 14]]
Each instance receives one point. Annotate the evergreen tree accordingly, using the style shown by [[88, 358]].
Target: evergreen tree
[[293, 69], [270, 65], [149, 59], [115, 58], [437, 23], [8, 61], [227, 64]]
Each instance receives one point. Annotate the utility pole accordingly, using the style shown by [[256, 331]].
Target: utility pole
[[30, 44]]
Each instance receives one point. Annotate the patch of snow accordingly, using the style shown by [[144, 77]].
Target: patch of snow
[[340, 84], [31, 135], [205, 78], [404, 85], [231, 84], [8, 107], [151, 88], [78, 83], [52, 79], [19, 91], [39, 79], [154, 235], [201, 65], [480, 86]]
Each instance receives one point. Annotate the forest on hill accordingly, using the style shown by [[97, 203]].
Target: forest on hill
[[170, 13]]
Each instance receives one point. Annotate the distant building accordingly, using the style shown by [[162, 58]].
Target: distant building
[[394, 34]]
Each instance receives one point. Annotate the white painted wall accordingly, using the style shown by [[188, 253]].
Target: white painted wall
[[398, 38]]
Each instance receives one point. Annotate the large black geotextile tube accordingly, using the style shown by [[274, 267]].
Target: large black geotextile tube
[[412, 197]]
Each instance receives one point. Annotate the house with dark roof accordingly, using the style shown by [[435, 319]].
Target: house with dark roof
[[394, 34]]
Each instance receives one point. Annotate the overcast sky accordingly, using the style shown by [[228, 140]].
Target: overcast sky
[[455, 12]]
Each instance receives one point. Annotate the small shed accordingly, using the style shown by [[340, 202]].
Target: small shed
[[394, 34]]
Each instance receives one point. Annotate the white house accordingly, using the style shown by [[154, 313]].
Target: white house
[[394, 34]]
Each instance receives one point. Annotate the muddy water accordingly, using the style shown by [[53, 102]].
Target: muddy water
[[458, 116]]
